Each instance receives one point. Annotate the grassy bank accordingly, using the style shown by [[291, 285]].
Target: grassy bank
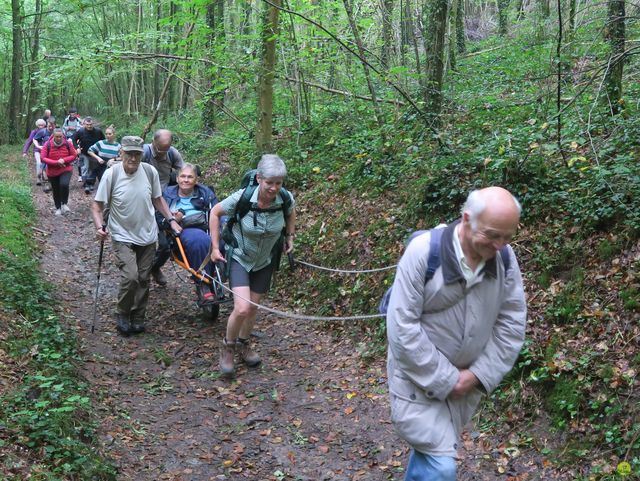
[[46, 426]]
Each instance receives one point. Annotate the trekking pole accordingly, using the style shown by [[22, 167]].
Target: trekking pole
[[95, 300]]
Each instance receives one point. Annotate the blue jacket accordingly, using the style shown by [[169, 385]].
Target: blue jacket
[[203, 199]]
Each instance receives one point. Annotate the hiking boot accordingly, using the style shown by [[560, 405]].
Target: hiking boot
[[87, 189], [137, 326], [250, 357], [159, 277], [123, 325], [58, 212], [46, 188], [65, 208], [227, 366]]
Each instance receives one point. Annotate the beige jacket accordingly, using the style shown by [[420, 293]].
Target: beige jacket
[[438, 328]]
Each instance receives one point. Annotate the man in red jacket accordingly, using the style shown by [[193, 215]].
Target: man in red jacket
[[58, 153]]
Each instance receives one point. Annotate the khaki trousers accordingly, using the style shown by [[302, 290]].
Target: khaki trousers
[[134, 263]]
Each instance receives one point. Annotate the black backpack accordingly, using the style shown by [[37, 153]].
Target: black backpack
[[244, 206]]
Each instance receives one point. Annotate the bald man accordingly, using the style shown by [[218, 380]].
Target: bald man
[[454, 337]]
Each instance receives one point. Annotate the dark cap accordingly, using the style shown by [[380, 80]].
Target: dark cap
[[132, 143]]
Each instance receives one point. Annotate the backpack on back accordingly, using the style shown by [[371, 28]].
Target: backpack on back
[[433, 261], [244, 206]]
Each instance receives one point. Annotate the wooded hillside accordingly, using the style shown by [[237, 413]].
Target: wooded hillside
[[387, 113]]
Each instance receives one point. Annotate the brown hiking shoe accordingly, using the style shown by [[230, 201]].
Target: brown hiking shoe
[[159, 277], [227, 352], [249, 356]]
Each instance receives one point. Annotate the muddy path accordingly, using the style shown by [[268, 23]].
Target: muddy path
[[312, 411]]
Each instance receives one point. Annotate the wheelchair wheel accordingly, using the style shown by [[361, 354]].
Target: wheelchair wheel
[[210, 312]]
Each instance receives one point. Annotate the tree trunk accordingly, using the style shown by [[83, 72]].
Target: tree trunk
[[436, 15], [452, 36], [545, 8], [615, 33], [217, 40], [387, 32], [460, 35], [264, 126], [503, 8], [34, 70], [572, 16], [361, 53], [15, 95]]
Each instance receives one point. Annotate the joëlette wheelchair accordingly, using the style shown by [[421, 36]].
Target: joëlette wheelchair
[[204, 283], [208, 286]]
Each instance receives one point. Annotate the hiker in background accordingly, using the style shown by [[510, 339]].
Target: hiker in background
[[40, 124], [104, 151], [47, 115], [58, 153], [72, 123], [39, 139], [84, 138], [167, 160], [131, 190], [453, 339], [250, 263]]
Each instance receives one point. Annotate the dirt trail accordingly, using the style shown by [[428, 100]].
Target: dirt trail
[[312, 411]]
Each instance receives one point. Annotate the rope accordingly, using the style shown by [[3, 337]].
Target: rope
[[344, 271], [292, 315]]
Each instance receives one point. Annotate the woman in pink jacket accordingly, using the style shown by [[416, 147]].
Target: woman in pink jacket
[[58, 153]]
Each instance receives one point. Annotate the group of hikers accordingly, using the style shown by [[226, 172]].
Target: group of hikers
[[455, 315], [57, 149]]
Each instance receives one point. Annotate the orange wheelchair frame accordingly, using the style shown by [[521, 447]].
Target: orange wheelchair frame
[[209, 306]]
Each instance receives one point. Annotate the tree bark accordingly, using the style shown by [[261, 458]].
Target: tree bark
[[32, 92], [15, 95], [217, 40], [503, 7], [436, 15], [460, 34], [264, 126], [615, 33], [387, 32]]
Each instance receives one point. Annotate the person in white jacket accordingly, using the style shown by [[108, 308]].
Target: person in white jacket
[[453, 338]]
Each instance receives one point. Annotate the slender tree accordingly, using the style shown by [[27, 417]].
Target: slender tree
[[217, 40], [615, 33], [436, 17], [15, 95], [362, 55], [460, 34], [387, 32], [266, 74], [503, 7]]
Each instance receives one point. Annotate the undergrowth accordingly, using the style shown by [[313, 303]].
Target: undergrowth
[[47, 429]]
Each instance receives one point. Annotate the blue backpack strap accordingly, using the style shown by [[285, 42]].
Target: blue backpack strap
[[505, 255], [146, 153], [433, 262]]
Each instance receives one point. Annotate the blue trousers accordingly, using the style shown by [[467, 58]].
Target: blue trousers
[[196, 244], [424, 467]]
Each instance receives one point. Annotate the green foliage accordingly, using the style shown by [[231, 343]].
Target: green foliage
[[47, 413], [564, 400], [631, 298]]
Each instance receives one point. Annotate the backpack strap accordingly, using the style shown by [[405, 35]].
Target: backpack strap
[[505, 255], [433, 261]]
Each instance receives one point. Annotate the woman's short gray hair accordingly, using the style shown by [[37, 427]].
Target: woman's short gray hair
[[476, 203], [271, 166], [41, 122], [191, 167]]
